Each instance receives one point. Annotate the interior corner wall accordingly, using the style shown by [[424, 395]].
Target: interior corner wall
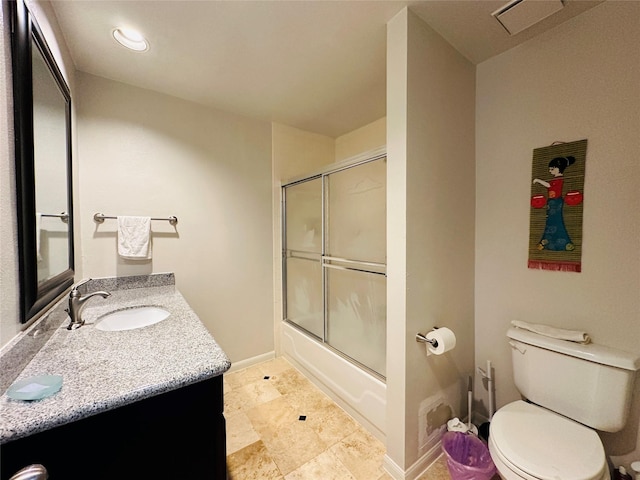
[[431, 154], [145, 153], [578, 81], [297, 152], [363, 139]]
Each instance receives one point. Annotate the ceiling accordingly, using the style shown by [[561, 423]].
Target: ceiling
[[311, 64]]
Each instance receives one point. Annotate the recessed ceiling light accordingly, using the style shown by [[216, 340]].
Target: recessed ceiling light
[[131, 39]]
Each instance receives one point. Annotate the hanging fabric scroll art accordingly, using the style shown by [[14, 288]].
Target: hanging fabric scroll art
[[557, 192]]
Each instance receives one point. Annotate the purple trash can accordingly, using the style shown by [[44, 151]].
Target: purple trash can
[[468, 457]]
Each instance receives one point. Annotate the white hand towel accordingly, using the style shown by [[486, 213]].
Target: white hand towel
[[560, 333], [134, 238]]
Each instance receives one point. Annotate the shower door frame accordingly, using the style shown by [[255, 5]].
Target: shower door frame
[[323, 175]]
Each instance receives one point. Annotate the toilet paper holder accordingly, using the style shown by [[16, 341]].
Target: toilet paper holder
[[422, 339]]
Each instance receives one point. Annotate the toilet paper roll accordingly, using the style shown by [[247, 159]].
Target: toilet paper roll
[[446, 340]]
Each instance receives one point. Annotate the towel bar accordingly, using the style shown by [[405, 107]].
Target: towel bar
[[101, 217], [64, 216]]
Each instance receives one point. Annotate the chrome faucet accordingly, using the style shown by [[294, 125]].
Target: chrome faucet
[[77, 302]]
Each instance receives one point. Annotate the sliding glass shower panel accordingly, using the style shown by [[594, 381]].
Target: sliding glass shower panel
[[304, 303], [357, 317], [334, 255], [303, 216], [357, 212]]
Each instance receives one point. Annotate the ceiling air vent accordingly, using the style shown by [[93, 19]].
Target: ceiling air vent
[[519, 15]]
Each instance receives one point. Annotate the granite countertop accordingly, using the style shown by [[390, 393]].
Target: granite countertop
[[105, 370]]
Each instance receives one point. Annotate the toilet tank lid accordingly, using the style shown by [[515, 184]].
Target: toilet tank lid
[[591, 352]]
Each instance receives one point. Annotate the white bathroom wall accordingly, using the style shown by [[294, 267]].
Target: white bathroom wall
[[430, 237], [580, 80], [144, 153], [363, 139], [298, 152]]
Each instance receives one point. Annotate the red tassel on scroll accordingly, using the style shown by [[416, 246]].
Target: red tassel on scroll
[[556, 266]]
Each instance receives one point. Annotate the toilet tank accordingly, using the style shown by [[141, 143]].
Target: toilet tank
[[591, 384]]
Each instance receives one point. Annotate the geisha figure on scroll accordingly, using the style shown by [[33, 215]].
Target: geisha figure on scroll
[[555, 236]]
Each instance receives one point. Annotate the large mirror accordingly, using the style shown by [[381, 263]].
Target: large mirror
[[42, 123]]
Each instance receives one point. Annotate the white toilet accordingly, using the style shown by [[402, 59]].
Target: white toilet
[[571, 390]]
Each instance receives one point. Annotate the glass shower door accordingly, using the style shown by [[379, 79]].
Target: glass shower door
[[335, 260], [354, 263], [303, 255]]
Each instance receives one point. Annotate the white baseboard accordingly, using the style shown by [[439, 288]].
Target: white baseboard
[[418, 468], [392, 468], [251, 361]]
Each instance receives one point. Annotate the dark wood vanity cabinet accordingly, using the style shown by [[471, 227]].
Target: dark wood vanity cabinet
[[176, 435]]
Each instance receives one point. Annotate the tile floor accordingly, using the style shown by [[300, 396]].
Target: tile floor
[[282, 427]]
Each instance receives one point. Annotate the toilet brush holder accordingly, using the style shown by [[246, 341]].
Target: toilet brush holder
[[621, 474]]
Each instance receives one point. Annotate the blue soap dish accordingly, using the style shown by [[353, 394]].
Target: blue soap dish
[[35, 388]]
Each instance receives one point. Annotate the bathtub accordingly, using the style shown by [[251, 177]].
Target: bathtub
[[359, 393]]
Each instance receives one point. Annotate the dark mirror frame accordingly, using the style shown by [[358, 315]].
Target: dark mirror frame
[[33, 297]]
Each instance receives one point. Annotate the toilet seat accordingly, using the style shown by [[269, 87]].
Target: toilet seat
[[535, 443]]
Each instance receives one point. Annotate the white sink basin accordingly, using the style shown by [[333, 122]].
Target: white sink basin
[[131, 318]]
